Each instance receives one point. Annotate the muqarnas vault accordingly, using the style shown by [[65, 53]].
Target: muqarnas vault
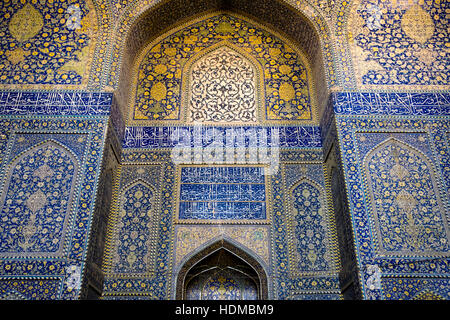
[[348, 99]]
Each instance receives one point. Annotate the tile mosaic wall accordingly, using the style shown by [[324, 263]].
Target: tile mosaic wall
[[365, 44], [392, 142], [348, 273], [46, 43], [351, 37], [49, 170], [175, 238], [37, 197], [399, 202], [276, 80], [64, 103], [399, 43]]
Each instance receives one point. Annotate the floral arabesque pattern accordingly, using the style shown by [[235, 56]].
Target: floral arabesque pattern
[[401, 43], [133, 236], [36, 201], [223, 88], [160, 72], [309, 227], [405, 201], [45, 43]]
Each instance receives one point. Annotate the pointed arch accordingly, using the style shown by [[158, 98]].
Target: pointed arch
[[141, 21], [136, 182], [72, 69], [213, 246], [40, 190], [309, 236], [134, 229], [247, 82], [307, 28], [406, 209]]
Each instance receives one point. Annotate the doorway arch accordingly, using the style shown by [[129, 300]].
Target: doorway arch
[[224, 265]]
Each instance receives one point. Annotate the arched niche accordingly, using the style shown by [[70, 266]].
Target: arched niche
[[37, 198], [133, 229], [309, 228], [157, 19], [406, 207], [222, 262]]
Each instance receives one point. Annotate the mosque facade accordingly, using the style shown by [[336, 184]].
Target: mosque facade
[[224, 149]]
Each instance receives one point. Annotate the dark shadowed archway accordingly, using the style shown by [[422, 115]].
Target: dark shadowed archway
[[222, 262]]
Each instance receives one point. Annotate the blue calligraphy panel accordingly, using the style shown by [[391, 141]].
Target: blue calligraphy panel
[[230, 193], [169, 137]]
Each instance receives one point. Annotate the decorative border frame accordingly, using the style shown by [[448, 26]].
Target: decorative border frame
[[207, 250], [52, 276], [58, 103], [111, 236], [73, 198], [331, 233], [353, 75], [295, 137]]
